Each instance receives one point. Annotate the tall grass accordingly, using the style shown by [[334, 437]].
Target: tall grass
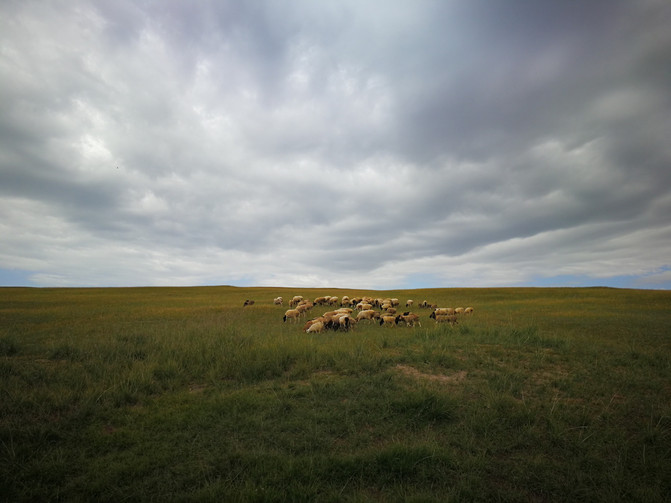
[[183, 394]]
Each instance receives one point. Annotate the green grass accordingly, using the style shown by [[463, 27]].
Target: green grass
[[181, 394]]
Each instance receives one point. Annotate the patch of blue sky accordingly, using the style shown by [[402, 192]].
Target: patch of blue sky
[[15, 277], [660, 279]]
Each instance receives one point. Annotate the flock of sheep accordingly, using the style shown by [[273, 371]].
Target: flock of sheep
[[382, 311]]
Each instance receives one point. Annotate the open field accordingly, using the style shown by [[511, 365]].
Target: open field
[[181, 394]]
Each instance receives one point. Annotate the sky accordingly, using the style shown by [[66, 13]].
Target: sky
[[378, 144]]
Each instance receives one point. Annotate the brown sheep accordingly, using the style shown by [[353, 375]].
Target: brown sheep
[[292, 314], [409, 318]]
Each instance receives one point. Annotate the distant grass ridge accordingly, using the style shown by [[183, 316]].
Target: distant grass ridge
[[181, 394]]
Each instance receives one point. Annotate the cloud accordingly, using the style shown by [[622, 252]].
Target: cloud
[[335, 143]]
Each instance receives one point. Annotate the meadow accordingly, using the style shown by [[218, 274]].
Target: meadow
[[181, 394]]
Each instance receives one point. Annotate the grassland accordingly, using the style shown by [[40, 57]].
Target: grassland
[[180, 394]]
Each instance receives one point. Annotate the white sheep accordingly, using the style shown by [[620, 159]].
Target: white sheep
[[369, 314], [468, 310], [409, 303], [278, 301], [315, 328]]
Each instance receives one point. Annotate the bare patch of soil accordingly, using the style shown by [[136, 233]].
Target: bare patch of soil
[[416, 374]]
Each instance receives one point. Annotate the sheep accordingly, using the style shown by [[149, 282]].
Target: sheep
[[345, 322], [302, 308], [369, 314], [278, 301], [388, 320], [458, 310], [292, 314], [468, 310], [395, 302], [320, 301], [446, 318], [424, 304], [315, 328], [296, 300], [364, 306], [390, 310], [344, 301], [333, 301], [443, 310], [409, 303], [248, 303], [409, 318]]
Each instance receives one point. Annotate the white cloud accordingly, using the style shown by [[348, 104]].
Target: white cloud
[[338, 144]]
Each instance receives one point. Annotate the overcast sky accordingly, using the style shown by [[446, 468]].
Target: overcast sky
[[364, 144]]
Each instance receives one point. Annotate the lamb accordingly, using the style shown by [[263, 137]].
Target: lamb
[[248, 303], [292, 314], [278, 301], [409, 318]]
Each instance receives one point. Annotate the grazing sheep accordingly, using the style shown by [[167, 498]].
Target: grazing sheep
[[458, 310], [409, 318], [320, 301], [315, 328], [278, 301], [443, 310], [292, 314], [248, 303], [390, 310], [333, 301], [409, 303], [364, 306], [446, 318], [344, 301], [346, 322], [468, 310], [395, 302], [388, 320], [424, 304], [296, 300], [369, 314]]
